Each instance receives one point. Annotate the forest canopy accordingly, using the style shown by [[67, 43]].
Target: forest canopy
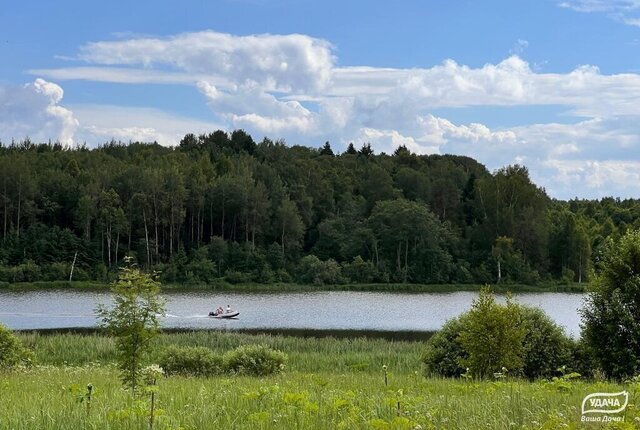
[[221, 206]]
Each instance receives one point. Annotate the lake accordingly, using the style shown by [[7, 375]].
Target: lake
[[326, 310]]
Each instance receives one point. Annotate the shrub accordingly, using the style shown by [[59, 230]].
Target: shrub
[[490, 336], [545, 346], [257, 360], [583, 359], [12, 352], [444, 352], [190, 361]]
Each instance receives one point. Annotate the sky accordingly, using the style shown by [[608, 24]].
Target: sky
[[550, 84]]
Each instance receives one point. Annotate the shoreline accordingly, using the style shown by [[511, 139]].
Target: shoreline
[[391, 335], [291, 287]]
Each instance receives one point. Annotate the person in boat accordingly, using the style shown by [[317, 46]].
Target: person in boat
[[228, 309], [219, 310]]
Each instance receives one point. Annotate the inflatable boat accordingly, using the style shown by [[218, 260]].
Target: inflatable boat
[[228, 314]]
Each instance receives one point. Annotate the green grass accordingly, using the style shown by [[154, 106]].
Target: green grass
[[305, 354], [289, 287], [328, 384]]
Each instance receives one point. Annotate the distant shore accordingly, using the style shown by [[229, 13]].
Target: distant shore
[[292, 287]]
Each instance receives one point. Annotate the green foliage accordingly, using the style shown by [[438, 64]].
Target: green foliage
[[309, 400], [610, 316], [359, 271], [314, 271], [545, 345], [190, 361], [583, 359], [492, 336], [222, 203], [444, 353], [133, 320], [257, 360], [12, 352]]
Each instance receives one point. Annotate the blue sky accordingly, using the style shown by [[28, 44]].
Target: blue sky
[[551, 84]]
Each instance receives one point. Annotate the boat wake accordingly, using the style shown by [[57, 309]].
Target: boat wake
[[185, 316]]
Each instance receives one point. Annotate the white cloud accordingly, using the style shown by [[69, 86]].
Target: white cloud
[[284, 63], [508, 83], [601, 178], [389, 140], [125, 75], [601, 5], [626, 11], [248, 106], [440, 130], [33, 110], [101, 123]]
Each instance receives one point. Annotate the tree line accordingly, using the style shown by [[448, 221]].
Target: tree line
[[222, 206]]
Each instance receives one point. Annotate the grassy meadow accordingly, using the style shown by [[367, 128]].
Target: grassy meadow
[[328, 384]]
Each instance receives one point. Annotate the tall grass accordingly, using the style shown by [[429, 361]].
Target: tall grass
[[305, 354], [46, 398]]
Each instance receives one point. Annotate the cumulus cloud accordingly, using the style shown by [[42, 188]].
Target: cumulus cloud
[[509, 83], [292, 62], [248, 106], [600, 178], [33, 110], [388, 140]]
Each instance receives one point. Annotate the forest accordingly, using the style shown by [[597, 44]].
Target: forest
[[222, 207]]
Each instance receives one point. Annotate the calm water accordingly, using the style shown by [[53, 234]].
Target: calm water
[[316, 310]]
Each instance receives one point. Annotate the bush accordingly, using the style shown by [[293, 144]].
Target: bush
[[523, 340], [546, 347], [12, 352], [583, 359], [359, 271], [490, 337], [190, 361], [256, 360], [25, 272], [314, 271], [55, 272], [444, 352]]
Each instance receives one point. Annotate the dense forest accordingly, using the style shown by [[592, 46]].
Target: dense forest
[[223, 207]]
